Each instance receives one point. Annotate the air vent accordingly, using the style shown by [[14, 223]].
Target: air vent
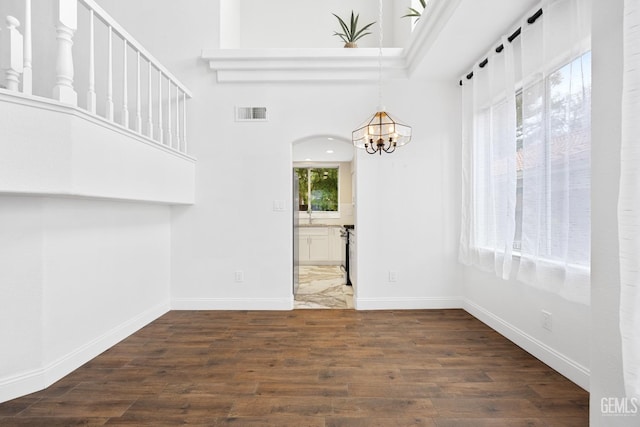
[[251, 114]]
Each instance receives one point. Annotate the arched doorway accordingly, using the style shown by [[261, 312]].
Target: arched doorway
[[323, 168]]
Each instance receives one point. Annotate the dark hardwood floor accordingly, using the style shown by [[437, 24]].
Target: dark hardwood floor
[[317, 368]]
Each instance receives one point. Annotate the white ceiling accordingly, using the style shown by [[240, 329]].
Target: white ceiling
[[474, 29], [324, 148]]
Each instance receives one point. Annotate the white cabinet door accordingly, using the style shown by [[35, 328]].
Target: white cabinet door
[[303, 248], [319, 248]]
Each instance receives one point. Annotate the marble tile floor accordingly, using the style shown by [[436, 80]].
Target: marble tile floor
[[323, 287]]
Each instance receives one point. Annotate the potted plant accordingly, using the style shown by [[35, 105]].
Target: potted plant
[[413, 13], [350, 33]]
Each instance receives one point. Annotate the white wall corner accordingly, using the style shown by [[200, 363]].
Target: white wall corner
[[566, 366], [39, 379], [436, 15]]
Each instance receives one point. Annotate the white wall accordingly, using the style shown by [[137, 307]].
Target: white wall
[[515, 310], [244, 167], [405, 214], [105, 264], [70, 152], [77, 276], [606, 355], [21, 294], [309, 23]]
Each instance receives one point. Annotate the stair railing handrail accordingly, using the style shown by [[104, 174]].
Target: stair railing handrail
[[108, 20]]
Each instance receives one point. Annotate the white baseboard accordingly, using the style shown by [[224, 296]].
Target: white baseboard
[[277, 304], [407, 303], [566, 366], [39, 379]]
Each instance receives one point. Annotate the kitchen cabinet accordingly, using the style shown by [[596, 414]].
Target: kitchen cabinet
[[313, 244], [320, 246]]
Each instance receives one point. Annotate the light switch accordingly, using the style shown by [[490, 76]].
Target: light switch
[[278, 206]]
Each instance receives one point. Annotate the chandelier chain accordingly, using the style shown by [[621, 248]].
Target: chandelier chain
[[380, 39]]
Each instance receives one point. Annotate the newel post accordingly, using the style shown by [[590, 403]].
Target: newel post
[[11, 59], [66, 25]]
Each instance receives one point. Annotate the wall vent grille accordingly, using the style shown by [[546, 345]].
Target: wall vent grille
[[251, 114]]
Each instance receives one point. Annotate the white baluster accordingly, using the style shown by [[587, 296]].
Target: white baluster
[[66, 25], [184, 122], [169, 133], [12, 61], [109, 112], [125, 86], [150, 104], [177, 118], [160, 130], [27, 73], [138, 112], [91, 93]]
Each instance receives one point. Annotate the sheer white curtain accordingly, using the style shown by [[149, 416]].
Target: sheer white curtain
[[556, 146], [489, 168], [526, 154], [629, 202]]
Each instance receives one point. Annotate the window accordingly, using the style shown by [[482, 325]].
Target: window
[[526, 144], [318, 189], [557, 163]]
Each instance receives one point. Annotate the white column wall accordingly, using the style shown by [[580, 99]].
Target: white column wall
[[407, 209], [105, 264], [606, 351], [21, 293], [76, 276]]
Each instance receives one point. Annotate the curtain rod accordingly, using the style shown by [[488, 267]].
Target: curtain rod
[[533, 18]]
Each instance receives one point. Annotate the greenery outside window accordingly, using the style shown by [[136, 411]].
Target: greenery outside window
[[318, 189]]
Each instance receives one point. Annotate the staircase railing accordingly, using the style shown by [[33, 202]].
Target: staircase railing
[[97, 66]]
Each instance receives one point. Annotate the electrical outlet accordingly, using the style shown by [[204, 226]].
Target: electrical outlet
[[547, 321], [393, 276], [239, 275]]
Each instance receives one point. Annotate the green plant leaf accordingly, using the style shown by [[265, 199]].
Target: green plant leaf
[[354, 25], [350, 33], [360, 34], [345, 30], [340, 35], [412, 13]]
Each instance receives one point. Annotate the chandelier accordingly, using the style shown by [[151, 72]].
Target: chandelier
[[380, 132]]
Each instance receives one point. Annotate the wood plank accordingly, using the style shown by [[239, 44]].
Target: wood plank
[[316, 368]]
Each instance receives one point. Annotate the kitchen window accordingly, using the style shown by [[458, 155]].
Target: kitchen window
[[318, 190]]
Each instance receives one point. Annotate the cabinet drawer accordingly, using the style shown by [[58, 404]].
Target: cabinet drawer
[[313, 231]]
